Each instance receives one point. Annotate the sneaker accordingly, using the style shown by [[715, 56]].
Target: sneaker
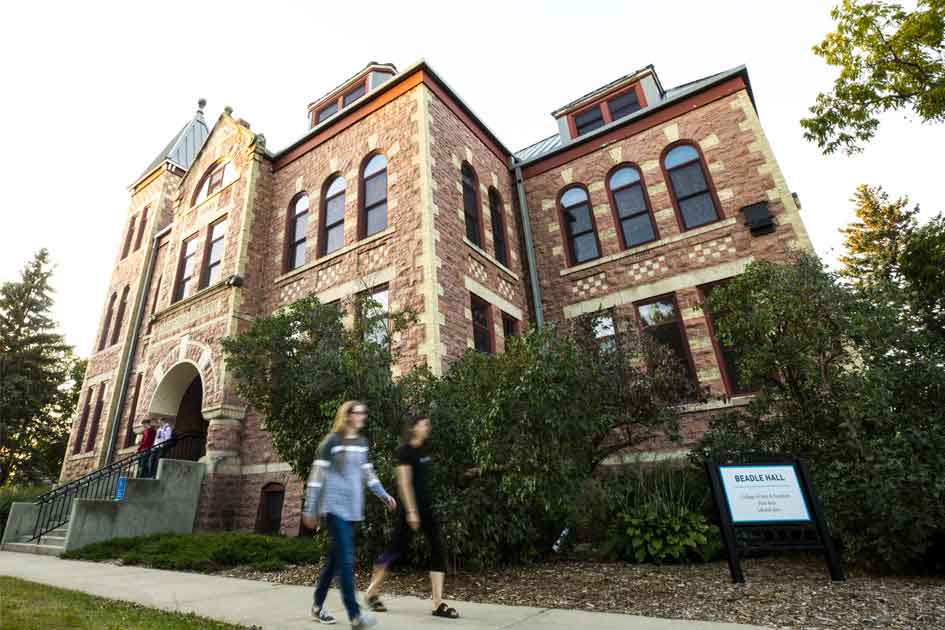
[[323, 616], [366, 620]]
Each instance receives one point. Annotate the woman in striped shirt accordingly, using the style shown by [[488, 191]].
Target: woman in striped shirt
[[335, 491]]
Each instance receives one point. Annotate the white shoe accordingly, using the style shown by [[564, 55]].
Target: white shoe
[[323, 616], [366, 620]]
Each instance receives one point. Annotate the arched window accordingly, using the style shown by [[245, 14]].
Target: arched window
[[96, 417], [216, 177], [631, 206], [269, 517], [498, 227], [689, 188], [120, 316], [580, 229], [128, 238], [333, 215], [298, 228], [374, 196], [141, 225], [83, 421], [103, 340], [471, 204]]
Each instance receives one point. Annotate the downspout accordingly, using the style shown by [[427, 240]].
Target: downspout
[[529, 248], [133, 344]]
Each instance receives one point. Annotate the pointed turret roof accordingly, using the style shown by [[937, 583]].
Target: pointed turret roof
[[183, 147]]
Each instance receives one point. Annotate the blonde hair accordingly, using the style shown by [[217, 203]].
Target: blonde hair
[[344, 412]]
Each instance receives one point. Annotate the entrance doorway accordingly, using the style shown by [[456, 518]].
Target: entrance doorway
[[180, 397]]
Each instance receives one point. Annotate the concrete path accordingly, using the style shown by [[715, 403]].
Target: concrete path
[[277, 606]]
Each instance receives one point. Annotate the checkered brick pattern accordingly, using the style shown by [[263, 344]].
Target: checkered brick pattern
[[375, 259], [647, 270], [506, 289], [590, 285], [477, 270], [329, 276], [712, 250]]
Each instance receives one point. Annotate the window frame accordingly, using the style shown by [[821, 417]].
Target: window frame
[[509, 322], [710, 185], [180, 284], [363, 208], [129, 237], [323, 215], [109, 314], [502, 229], [96, 418], [339, 101], [219, 166], [615, 212], [566, 232], [477, 200], [679, 323], [292, 240], [729, 381], [474, 301], [120, 316], [130, 425], [602, 102], [369, 294], [206, 265], [142, 223], [78, 443]]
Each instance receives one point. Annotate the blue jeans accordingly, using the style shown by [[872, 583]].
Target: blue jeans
[[340, 561]]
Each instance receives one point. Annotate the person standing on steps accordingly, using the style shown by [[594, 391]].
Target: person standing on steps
[[164, 434], [147, 441], [415, 512], [335, 493]]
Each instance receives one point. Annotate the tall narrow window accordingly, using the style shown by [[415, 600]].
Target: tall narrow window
[[129, 237], [96, 417], [689, 186], [498, 227], [185, 273], [509, 326], [120, 316], [589, 120], [728, 356], [154, 302], [333, 214], [298, 229], [130, 426], [579, 225], [83, 422], [103, 340], [142, 223], [377, 326], [482, 325], [374, 193], [605, 334], [216, 177], [660, 319], [471, 204], [631, 207], [269, 517], [213, 258]]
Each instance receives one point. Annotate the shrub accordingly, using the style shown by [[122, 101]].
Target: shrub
[[652, 534], [17, 494]]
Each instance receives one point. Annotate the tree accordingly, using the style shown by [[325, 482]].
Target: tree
[[854, 383], [876, 242], [923, 267], [35, 364], [890, 59]]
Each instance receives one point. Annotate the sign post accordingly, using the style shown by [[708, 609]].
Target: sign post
[[769, 505]]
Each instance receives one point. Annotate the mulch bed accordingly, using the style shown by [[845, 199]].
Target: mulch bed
[[782, 592]]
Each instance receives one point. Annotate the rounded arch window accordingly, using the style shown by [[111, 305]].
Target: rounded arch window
[[217, 176], [374, 187], [579, 225], [631, 206], [689, 186], [333, 233], [297, 231]]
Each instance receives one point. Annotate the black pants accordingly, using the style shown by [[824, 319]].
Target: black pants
[[401, 541]]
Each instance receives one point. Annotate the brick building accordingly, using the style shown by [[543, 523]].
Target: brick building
[[643, 199]]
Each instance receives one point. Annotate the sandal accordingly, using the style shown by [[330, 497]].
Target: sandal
[[445, 611], [374, 603]]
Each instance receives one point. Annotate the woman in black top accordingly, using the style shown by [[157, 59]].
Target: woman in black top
[[415, 511]]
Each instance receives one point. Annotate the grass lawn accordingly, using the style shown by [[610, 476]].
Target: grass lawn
[[30, 606]]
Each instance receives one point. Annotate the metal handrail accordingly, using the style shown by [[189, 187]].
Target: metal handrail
[[55, 506]]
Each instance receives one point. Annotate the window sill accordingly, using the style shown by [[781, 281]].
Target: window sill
[[324, 260], [713, 405], [705, 229], [184, 303], [490, 258], [88, 455], [200, 205]]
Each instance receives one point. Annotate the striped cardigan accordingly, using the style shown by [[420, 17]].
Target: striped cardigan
[[336, 481]]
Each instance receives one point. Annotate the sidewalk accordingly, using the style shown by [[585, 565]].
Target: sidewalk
[[277, 606]]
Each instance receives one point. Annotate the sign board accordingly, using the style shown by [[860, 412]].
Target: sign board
[[120, 489], [769, 504], [763, 494]]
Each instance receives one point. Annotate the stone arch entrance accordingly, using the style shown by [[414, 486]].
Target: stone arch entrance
[[179, 397]]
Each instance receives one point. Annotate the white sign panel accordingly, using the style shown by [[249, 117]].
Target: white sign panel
[[763, 494]]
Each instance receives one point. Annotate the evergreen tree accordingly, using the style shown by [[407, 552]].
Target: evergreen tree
[[876, 242], [35, 364]]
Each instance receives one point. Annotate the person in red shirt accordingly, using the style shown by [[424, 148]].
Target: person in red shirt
[[147, 441]]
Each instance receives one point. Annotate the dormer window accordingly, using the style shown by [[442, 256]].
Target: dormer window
[[354, 95], [216, 177], [343, 100], [588, 120], [327, 112], [605, 109], [623, 105]]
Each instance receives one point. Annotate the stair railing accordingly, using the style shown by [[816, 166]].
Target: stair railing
[[55, 507]]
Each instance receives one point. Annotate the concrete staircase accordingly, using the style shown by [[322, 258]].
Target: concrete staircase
[[52, 544]]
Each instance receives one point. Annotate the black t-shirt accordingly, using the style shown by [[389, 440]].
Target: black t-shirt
[[419, 462]]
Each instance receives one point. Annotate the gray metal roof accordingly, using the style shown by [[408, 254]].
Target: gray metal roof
[[184, 146], [553, 143]]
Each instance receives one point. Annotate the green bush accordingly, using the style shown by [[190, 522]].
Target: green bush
[[656, 535], [17, 494], [206, 552]]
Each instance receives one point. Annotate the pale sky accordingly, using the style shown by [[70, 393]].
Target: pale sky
[[93, 91]]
